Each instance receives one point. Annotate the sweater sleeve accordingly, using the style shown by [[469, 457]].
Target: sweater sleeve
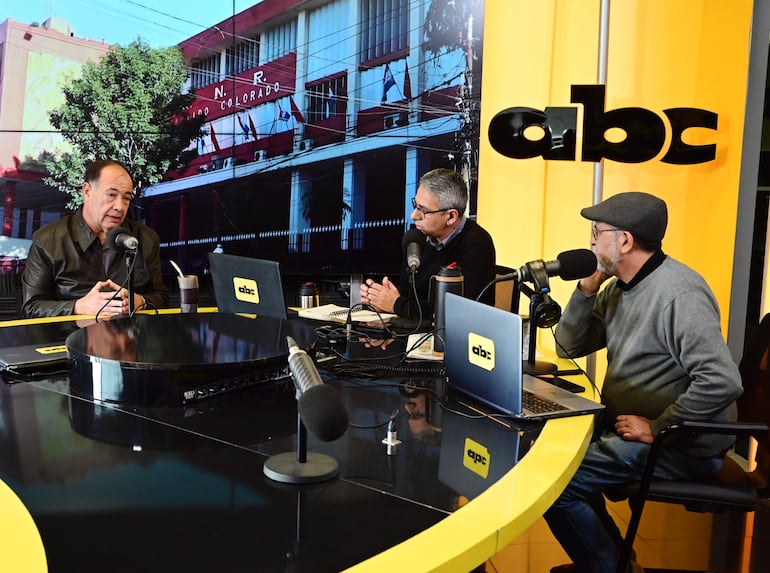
[[580, 330]]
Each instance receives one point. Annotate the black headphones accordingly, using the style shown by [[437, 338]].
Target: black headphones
[[544, 312]]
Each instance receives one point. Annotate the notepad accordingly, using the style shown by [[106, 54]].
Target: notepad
[[337, 313]]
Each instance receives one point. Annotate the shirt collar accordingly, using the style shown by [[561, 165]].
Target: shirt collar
[[650, 265], [84, 235]]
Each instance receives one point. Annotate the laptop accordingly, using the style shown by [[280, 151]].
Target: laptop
[[248, 286], [32, 359], [483, 360]]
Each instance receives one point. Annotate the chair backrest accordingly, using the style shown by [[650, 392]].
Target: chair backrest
[[754, 404], [504, 295]]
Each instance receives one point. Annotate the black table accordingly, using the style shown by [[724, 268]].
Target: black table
[[130, 487]]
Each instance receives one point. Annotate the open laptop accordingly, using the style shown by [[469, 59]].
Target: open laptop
[[248, 286], [483, 360]]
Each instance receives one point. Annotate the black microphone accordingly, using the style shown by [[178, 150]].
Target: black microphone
[[121, 239], [319, 405], [412, 241], [569, 265]]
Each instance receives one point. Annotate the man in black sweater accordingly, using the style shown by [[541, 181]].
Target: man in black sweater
[[449, 237]]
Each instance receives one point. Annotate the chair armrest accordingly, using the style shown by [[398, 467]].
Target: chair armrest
[[729, 428]]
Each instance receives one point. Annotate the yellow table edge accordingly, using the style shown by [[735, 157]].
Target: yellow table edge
[[21, 548], [487, 524]]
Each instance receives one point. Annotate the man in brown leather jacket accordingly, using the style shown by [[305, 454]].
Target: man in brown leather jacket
[[71, 270]]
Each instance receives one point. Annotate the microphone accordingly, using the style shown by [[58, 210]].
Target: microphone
[[412, 241], [319, 406], [569, 265], [121, 239]]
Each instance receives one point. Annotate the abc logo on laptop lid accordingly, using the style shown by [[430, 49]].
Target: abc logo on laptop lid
[[246, 290], [481, 351]]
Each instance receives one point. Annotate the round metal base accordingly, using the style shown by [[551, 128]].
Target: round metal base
[[286, 469]]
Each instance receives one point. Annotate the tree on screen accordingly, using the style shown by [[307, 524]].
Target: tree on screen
[[451, 25], [127, 106]]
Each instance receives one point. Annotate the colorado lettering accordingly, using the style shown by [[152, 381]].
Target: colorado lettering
[[645, 131]]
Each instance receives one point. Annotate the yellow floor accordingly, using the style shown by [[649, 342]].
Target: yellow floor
[[668, 537]]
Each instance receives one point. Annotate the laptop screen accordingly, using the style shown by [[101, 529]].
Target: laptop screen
[[246, 285], [483, 354], [483, 359]]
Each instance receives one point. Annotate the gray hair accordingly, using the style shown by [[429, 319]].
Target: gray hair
[[448, 186]]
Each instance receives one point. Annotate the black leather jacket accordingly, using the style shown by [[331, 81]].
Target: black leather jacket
[[65, 262]]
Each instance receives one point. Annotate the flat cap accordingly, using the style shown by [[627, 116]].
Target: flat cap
[[643, 215]]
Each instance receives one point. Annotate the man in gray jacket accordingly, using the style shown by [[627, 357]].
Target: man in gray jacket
[[666, 362]]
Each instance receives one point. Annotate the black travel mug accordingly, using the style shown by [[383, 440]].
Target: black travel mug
[[448, 279]]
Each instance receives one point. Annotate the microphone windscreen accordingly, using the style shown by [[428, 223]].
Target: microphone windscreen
[[323, 412], [412, 236], [576, 264], [112, 235]]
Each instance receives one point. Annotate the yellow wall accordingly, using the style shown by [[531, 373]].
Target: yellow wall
[[662, 54]]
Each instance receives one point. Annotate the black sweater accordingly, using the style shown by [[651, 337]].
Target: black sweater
[[473, 251]]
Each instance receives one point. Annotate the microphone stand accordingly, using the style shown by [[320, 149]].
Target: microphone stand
[[130, 256], [530, 365], [301, 467]]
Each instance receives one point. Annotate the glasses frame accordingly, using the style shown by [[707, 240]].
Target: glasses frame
[[595, 232], [423, 212]]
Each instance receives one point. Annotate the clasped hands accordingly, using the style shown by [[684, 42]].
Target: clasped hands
[[380, 296], [94, 302]]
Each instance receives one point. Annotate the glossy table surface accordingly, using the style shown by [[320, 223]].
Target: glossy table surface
[[116, 487]]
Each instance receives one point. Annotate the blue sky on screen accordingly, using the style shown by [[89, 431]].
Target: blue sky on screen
[[161, 24]]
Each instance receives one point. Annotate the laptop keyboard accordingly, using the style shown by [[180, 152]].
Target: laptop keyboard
[[538, 405]]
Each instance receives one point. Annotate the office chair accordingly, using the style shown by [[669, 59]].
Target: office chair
[[733, 488], [506, 296]]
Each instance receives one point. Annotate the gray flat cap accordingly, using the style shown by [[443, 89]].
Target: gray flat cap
[[642, 214]]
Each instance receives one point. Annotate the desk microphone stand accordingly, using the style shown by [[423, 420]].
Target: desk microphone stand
[[301, 467], [130, 256], [530, 365]]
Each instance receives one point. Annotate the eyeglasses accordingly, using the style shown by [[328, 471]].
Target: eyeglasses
[[595, 232], [424, 211]]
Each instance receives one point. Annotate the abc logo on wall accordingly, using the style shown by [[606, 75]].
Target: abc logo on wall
[[645, 131]]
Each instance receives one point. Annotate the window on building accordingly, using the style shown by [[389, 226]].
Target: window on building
[[279, 41], [204, 72], [384, 28], [327, 99], [242, 56]]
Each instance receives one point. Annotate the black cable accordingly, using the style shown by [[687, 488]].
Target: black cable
[[117, 292], [578, 368]]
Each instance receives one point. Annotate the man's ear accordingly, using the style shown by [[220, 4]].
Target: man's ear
[[86, 189], [628, 242]]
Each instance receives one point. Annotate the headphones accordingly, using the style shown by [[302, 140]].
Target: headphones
[[544, 312]]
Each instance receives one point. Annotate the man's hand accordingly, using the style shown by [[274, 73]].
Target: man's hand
[[96, 298], [589, 286], [634, 429], [381, 297]]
